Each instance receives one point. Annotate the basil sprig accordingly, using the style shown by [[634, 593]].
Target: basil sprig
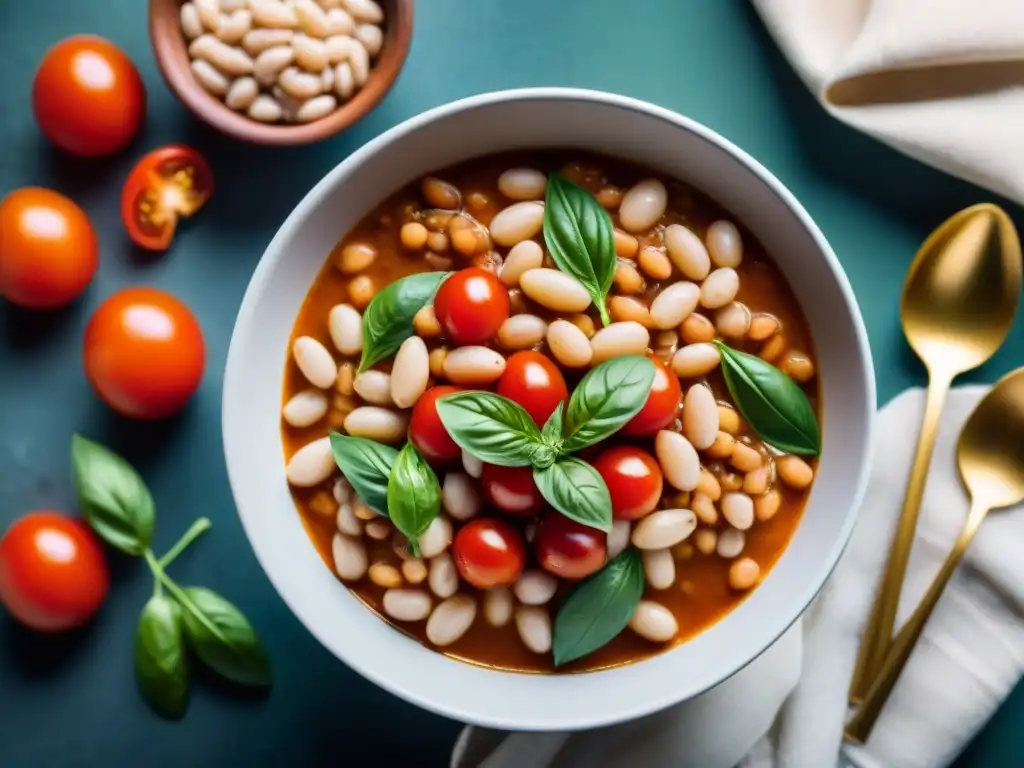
[[606, 398], [414, 495], [580, 238], [387, 321], [597, 610], [575, 489], [494, 429], [119, 507], [367, 465], [774, 406]]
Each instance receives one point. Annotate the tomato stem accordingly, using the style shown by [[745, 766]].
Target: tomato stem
[[199, 527]]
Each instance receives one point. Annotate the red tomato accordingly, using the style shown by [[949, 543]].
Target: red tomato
[[48, 249], [489, 553], [471, 305], [512, 490], [168, 184], [634, 481], [144, 353], [427, 432], [53, 576], [88, 97], [534, 382], [569, 549], [662, 404]]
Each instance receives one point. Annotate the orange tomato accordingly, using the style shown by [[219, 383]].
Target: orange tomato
[[167, 184], [48, 249], [144, 353], [88, 97], [53, 575]]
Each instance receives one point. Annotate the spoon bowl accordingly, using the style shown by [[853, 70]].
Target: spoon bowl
[[990, 452]]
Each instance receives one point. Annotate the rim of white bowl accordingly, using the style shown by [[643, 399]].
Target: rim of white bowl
[[668, 694]]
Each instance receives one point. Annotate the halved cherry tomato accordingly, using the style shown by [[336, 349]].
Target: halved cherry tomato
[[48, 249], [471, 305], [661, 406], [144, 353], [53, 575], [427, 432], [88, 97], [634, 481], [489, 553], [569, 549], [166, 185], [533, 381], [512, 490]]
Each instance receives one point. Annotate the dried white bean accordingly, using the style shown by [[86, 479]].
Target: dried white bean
[[518, 222], [436, 538], [654, 622], [442, 576], [522, 332], [209, 13], [265, 109], [473, 365], [350, 561], [327, 80], [730, 543], [523, 257], [366, 11], [725, 244], [627, 338], [678, 460], [674, 304], [311, 464], [569, 344], [643, 205], [339, 22], [190, 23], [687, 252], [460, 496], [359, 60], [234, 27], [242, 93], [535, 587], [377, 424], [345, 325], [259, 40], [210, 77], [695, 360], [228, 59], [618, 538], [311, 17], [738, 510], [270, 13], [298, 84], [407, 604], [339, 48], [522, 184], [410, 372], [534, 626], [344, 84], [719, 288], [659, 567], [310, 53], [371, 36], [451, 620], [700, 417], [305, 408], [374, 387], [229, 6], [347, 521], [553, 289], [498, 606], [315, 362], [271, 63], [664, 528], [733, 321]]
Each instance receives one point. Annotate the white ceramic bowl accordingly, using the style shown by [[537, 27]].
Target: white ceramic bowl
[[480, 125]]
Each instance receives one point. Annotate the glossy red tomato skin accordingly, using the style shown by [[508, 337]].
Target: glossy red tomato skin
[[53, 575], [88, 97], [662, 404], [144, 353], [427, 432], [471, 305], [533, 381], [489, 553], [512, 490], [634, 481], [569, 549]]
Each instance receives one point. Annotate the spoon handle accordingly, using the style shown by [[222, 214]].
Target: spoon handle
[[859, 728], [875, 641]]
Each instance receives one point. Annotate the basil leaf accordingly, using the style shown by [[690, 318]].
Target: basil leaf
[[367, 465], [494, 429], [575, 489], [551, 434], [772, 403], [610, 395], [112, 495], [161, 666], [387, 321], [223, 638], [414, 495], [596, 611], [580, 238]]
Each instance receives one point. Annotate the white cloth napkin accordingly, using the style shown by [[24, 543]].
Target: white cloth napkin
[[970, 656], [940, 80]]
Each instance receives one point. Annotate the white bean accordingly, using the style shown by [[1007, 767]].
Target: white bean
[[327, 80], [534, 626], [522, 332], [674, 304], [498, 606], [366, 11], [371, 36], [259, 40], [339, 48], [664, 528], [210, 77], [374, 387], [654, 622], [687, 252], [410, 372], [347, 521], [311, 17], [242, 93], [659, 567], [342, 490], [442, 576], [626, 338], [305, 408], [228, 59], [345, 325], [270, 13], [298, 84], [518, 222], [643, 205], [190, 23], [460, 497], [618, 538], [554, 289], [344, 84], [535, 587], [310, 53], [523, 256], [738, 510], [359, 60], [350, 561], [436, 538], [695, 360], [569, 344], [229, 6], [522, 184], [733, 321], [316, 108], [473, 466], [451, 620], [315, 362], [339, 22], [209, 13], [235, 27], [271, 63], [376, 424], [719, 288], [265, 109], [414, 571], [730, 543], [311, 464], [407, 604], [700, 417], [725, 244], [473, 365], [678, 460]]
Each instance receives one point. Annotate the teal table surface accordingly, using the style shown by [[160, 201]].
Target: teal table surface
[[71, 700]]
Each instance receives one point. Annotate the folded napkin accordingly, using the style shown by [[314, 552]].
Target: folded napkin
[[940, 80], [781, 715]]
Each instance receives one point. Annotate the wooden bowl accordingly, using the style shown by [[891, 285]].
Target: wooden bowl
[[170, 49]]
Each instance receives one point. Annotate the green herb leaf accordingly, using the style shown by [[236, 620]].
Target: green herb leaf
[[494, 429], [596, 611], [161, 666], [610, 395], [414, 495], [575, 489], [551, 434], [772, 403], [112, 495], [580, 238], [223, 638], [367, 465], [387, 321]]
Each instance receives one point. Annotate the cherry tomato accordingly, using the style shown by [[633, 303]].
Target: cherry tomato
[[144, 353], [534, 382], [168, 184], [48, 249], [53, 576], [634, 481], [489, 553], [569, 549], [471, 305], [512, 490], [427, 432], [662, 404], [88, 97]]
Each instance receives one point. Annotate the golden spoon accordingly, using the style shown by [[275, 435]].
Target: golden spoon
[[990, 454], [957, 307]]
